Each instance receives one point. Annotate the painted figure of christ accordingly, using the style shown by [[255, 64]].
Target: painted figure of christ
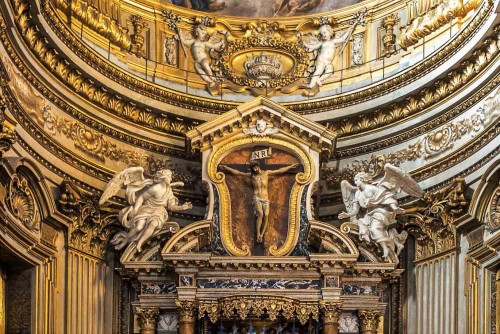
[[260, 181]]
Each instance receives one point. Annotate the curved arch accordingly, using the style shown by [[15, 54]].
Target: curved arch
[[336, 234], [176, 243]]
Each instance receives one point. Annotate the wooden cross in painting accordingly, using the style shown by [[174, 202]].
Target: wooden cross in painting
[[259, 171]]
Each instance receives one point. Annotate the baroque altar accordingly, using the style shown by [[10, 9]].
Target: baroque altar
[[259, 261]]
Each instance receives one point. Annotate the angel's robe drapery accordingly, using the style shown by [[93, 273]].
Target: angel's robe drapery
[[153, 210], [378, 213]]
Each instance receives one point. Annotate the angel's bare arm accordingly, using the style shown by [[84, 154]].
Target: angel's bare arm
[[353, 213], [173, 205], [184, 40], [233, 171], [283, 169], [313, 46]]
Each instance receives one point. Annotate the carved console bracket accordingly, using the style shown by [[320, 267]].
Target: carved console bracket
[[90, 230], [433, 219]]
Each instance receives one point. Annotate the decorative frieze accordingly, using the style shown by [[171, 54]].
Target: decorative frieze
[[158, 288], [359, 290], [240, 283], [273, 306]]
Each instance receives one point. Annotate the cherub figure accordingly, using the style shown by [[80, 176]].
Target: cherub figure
[[199, 46], [381, 206], [148, 200], [323, 48]]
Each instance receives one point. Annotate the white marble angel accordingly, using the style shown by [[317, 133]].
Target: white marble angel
[[148, 200], [323, 49], [199, 45], [380, 205]]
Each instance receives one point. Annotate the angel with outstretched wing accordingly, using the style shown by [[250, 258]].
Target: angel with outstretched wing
[[199, 46], [379, 201], [148, 199]]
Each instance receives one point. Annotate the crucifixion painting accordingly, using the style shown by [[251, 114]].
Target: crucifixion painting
[[259, 176]]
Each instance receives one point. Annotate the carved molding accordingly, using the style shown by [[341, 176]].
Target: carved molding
[[21, 202], [318, 106], [441, 15], [424, 99], [257, 305]]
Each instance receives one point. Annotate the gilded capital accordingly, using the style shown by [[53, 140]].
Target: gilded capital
[[369, 320], [186, 310], [148, 317], [331, 312]]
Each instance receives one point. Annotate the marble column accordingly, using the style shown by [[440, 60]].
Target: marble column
[[331, 316], [186, 316], [148, 319], [369, 320]]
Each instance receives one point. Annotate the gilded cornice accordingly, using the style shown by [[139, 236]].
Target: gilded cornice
[[434, 19], [98, 21], [82, 117], [424, 128], [308, 107], [414, 105], [58, 64], [94, 170]]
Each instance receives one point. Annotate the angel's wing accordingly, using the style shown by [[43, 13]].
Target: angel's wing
[[214, 38], [309, 40], [399, 179], [120, 180], [348, 195]]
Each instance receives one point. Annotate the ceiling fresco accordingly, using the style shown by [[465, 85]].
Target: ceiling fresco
[[264, 8]]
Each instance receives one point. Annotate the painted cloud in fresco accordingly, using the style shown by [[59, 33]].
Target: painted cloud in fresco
[[264, 8]]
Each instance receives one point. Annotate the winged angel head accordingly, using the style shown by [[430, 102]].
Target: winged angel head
[[378, 199], [148, 201]]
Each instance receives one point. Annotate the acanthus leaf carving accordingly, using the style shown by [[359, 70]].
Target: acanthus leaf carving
[[432, 220], [91, 228]]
